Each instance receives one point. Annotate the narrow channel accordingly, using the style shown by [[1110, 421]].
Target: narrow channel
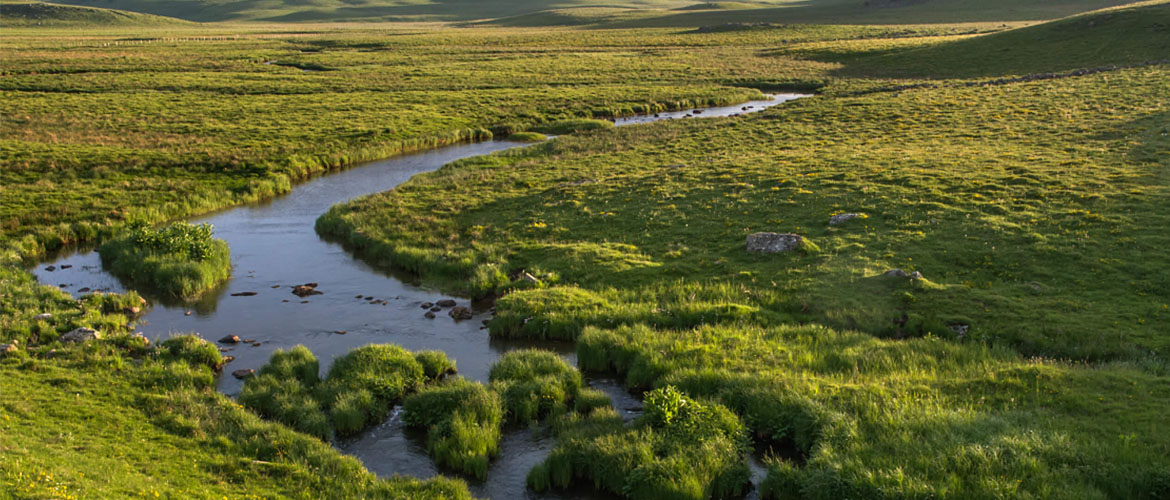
[[274, 246]]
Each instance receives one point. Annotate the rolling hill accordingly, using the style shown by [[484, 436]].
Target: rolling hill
[[16, 14], [635, 13]]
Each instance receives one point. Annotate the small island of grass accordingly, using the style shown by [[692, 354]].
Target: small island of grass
[[181, 260]]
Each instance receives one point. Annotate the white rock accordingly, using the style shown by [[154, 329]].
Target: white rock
[[773, 242], [82, 334]]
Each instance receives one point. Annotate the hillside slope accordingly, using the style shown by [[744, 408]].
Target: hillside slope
[[653, 12], [14, 14]]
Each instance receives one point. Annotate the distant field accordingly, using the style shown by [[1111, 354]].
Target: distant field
[[626, 13]]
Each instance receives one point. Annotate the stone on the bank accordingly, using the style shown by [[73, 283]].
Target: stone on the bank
[[896, 273], [82, 334], [243, 373], [445, 303], [773, 242], [839, 218], [461, 312], [43, 317], [230, 339]]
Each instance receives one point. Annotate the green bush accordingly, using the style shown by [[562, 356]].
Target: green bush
[[534, 384], [463, 421], [181, 260]]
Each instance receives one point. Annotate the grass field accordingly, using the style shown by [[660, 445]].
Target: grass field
[[1027, 362]]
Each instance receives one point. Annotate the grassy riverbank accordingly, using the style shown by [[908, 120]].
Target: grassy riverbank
[[180, 261], [1028, 361]]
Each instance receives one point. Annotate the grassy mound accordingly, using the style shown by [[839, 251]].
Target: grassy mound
[[462, 420], [180, 260], [534, 384], [20, 14], [358, 392], [680, 449]]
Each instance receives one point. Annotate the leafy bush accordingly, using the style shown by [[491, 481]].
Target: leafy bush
[[181, 260]]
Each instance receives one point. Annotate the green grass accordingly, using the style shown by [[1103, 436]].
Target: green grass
[[1029, 360], [680, 449], [462, 420], [625, 13], [358, 392], [42, 14], [117, 419], [179, 261], [534, 384]]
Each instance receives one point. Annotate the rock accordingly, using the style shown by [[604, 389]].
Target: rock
[[697, 111], [228, 359], [961, 330], [304, 302], [243, 294], [243, 373], [528, 277], [896, 273], [427, 305], [460, 312], [139, 335], [248, 341], [773, 242], [839, 218], [131, 311], [188, 313], [445, 303], [43, 317], [66, 266], [340, 332], [436, 309], [51, 268], [8, 349], [305, 290], [230, 339], [429, 315], [357, 296], [285, 300], [255, 344], [275, 286], [915, 275], [142, 300], [82, 289], [82, 334]]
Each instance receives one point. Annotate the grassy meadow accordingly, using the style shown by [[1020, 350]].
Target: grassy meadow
[[1027, 361]]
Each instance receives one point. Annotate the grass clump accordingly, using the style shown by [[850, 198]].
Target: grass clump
[[534, 384], [462, 420], [358, 392], [680, 449], [180, 260], [435, 364], [192, 349], [562, 127], [527, 137]]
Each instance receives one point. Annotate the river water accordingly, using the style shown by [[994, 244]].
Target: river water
[[274, 247]]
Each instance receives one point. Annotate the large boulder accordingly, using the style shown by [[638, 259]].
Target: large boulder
[[82, 334], [773, 242]]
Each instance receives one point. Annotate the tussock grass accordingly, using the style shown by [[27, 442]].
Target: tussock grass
[[180, 261], [534, 384], [463, 421]]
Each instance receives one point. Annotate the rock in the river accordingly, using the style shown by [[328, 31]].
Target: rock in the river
[[773, 242], [896, 273], [243, 294], [66, 266], [839, 218], [436, 309], [83, 289], [243, 373], [429, 315], [230, 339], [82, 334], [445, 303], [51, 268], [305, 290], [427, 305], [43, 317], [460, 312]]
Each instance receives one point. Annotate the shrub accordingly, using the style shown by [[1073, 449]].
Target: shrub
[[181, 260]]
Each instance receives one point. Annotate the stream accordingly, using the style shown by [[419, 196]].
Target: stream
[[274, 247]]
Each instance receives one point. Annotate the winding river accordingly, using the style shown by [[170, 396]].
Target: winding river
[[274, 247]]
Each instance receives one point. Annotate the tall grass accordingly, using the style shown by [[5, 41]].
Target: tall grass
[[462, 420], [179, 260]]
